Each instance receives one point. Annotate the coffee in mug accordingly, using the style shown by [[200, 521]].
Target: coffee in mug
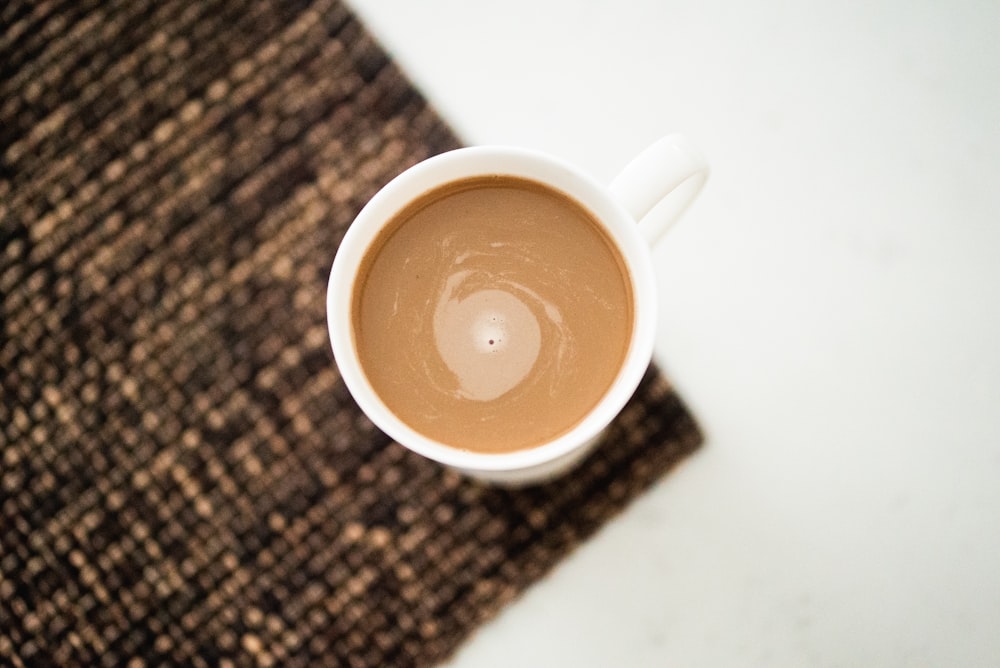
[[492, 313]]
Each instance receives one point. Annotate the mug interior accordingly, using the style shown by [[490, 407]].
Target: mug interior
[[483, 161]]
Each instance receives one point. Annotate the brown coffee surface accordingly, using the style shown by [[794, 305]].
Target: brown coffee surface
[[492, 314]]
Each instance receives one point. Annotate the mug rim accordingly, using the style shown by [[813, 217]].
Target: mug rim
[[481, 161]]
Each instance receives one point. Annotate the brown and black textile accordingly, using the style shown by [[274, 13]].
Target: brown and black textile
[[183, 477]]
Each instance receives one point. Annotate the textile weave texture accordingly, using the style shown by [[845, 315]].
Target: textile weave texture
[[183, 477]]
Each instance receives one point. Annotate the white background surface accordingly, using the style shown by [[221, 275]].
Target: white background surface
[[829, 312]]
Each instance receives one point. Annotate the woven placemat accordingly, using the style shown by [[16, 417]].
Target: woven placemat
[[183, 477]]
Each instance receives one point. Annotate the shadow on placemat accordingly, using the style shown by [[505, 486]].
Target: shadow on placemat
[[183, 477]]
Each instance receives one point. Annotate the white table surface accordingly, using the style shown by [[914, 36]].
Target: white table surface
[[830, 312]]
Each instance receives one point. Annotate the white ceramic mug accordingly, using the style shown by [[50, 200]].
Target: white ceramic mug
[[648, 195]]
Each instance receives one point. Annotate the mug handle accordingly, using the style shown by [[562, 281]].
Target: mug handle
[[659, 184]]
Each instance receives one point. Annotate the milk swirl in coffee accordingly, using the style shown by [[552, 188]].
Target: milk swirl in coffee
[[492, 314]]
